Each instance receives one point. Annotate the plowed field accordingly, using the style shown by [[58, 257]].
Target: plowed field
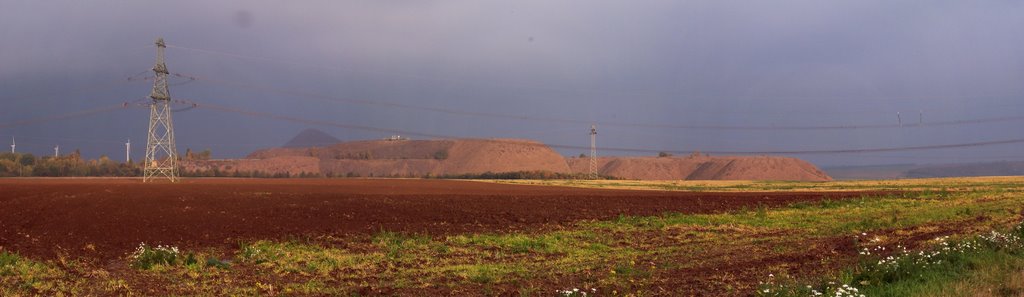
[[107, 218]]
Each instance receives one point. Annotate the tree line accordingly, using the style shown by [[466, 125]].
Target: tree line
[[26, 165], [29, 165], [73, 165]]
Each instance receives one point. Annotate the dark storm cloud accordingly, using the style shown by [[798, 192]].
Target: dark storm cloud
[[673, 62]]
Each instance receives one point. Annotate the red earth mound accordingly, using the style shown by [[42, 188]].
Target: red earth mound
[[406, 158], [107, 218], [418, 158], [704, 168]]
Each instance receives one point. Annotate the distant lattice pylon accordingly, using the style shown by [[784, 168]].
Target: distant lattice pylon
[[593, 151], [161, 154]]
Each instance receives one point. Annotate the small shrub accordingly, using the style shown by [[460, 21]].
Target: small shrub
[[214, 262], [761, 213], [575, 292], [7, 263], [190, 259], [8, 259], [258, 252], [483, 274], [630, 270], [146, 256], [598, 247], [526, 244], [396, 243]]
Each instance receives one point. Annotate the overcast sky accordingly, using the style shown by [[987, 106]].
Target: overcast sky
[[671, 63]]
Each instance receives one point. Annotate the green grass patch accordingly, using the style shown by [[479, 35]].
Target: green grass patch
[[557, 242], [305, 259], [8, 259], [638, 255], [831, 217], [24, 277], [926, 272], [397, 243]]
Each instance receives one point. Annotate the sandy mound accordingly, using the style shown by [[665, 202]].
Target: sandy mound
[[704, 168], [502, 155]]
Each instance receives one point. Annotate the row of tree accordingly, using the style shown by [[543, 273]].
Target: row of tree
[[519, 175], [28, 165], [16, 164]]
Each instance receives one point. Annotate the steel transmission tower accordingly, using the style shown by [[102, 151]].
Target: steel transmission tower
[[161, 155], [593, 151]]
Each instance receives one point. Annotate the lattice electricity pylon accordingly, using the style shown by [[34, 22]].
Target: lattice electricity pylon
[[593, 151], [161, 154]]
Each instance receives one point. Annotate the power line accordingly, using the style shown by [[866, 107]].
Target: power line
[[334, 99], [82, 113], [70, 139], [817, 152], [35, 140], [350, 70], [498, 83], [70, 115], [279, 117], [314, 122], [959, 158], [616, 149], [93, 87]]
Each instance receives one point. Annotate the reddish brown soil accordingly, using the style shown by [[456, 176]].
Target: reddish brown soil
[[109, 217]]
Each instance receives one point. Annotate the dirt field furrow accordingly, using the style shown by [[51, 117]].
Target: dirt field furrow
[[108, 218]]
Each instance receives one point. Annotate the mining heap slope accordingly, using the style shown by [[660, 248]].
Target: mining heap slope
[[704, 168], [420, 157]]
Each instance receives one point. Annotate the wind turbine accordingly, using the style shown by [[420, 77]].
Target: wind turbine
[[56, 151], [127, 151], [13, 144]]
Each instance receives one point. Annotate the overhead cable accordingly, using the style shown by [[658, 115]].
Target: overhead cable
[[617, 149]]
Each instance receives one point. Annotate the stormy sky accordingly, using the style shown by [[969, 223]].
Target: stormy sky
[[654, 72]]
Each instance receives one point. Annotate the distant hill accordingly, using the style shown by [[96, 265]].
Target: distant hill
[[972, 169], [310, 138], [892, 171]]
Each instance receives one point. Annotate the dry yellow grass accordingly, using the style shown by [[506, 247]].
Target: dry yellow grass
[[935, 184]]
